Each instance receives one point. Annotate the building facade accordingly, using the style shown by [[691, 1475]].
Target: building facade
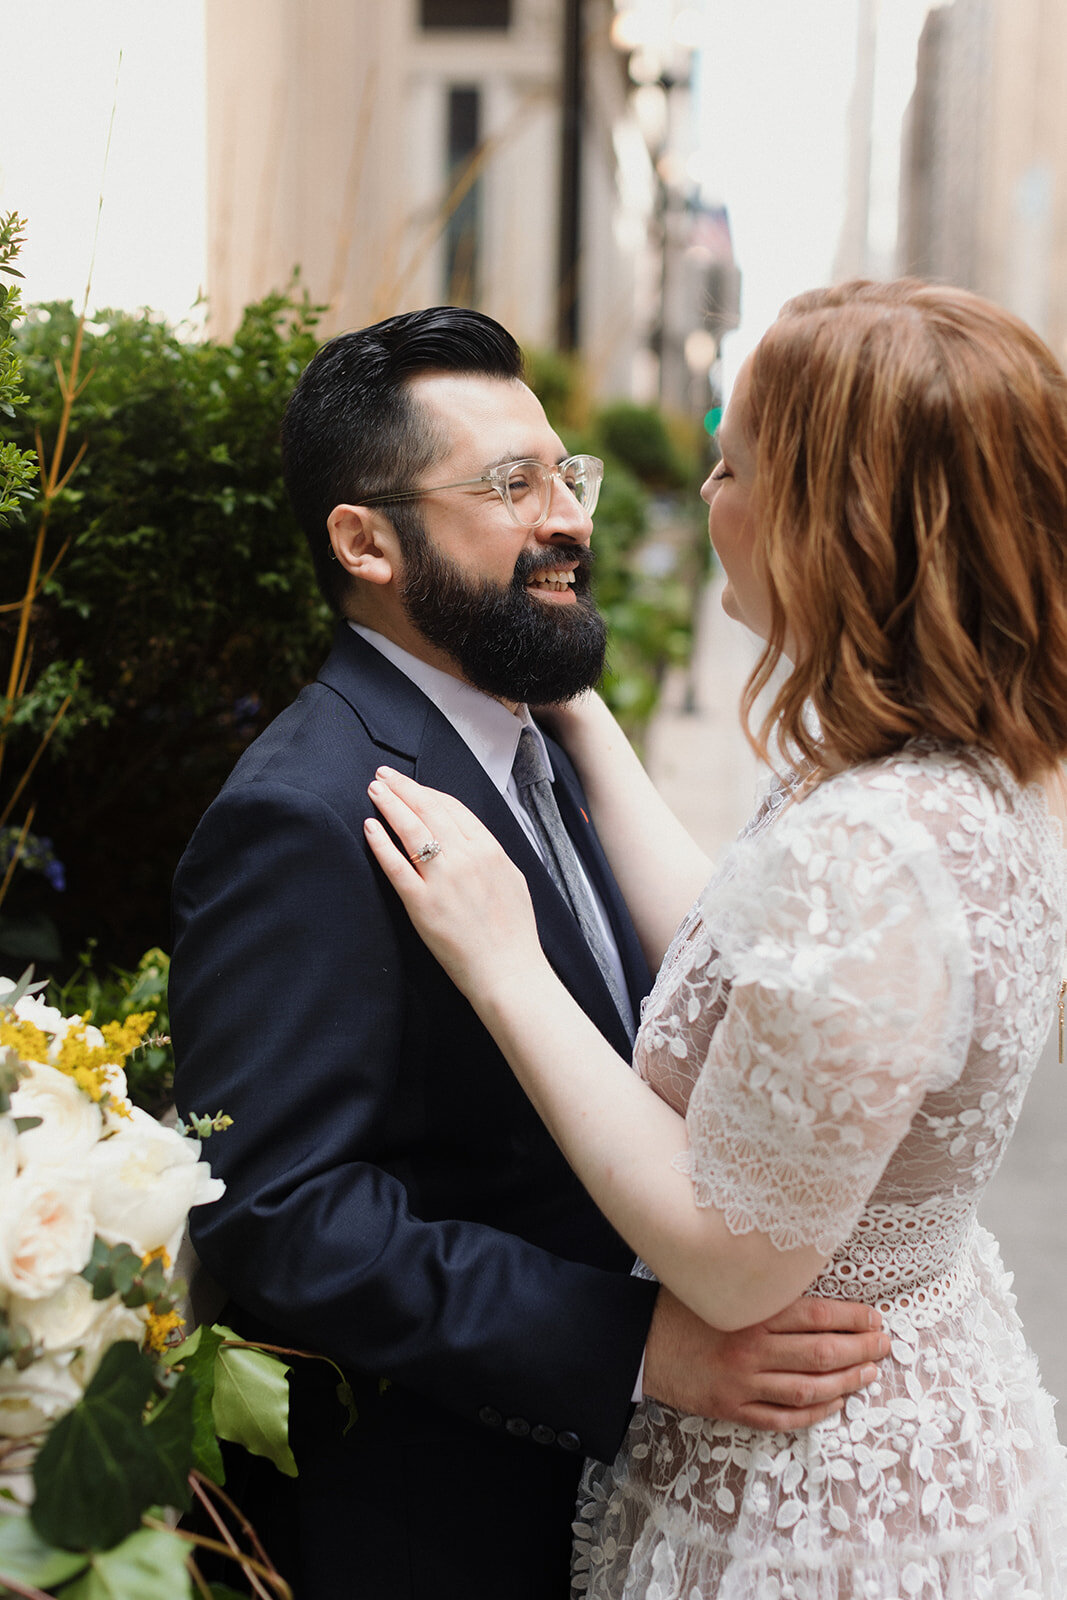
[[984, 163], [484, 152]]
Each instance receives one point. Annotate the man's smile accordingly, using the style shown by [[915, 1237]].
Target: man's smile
[[554, 582]]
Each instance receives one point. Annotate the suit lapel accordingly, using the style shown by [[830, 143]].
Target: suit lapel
[[417, 738]]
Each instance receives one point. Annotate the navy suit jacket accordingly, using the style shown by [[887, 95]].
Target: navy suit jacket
[[392, 1200]]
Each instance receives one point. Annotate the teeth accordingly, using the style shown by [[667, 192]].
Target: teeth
[[553, 578]]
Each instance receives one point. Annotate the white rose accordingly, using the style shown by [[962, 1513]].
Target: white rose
[[9, 1151], [71, 1322], [144, 1180], [61, 1320], [114, 1322], [71, 1122], [118, 1095], [31, 1399], [31, 1008], [47, 1235]]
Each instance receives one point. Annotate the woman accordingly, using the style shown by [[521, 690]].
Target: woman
[[834, 1055]]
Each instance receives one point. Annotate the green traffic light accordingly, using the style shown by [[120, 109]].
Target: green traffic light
[[712, 419]]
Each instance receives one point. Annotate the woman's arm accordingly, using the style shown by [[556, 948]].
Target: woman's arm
[[471, 906], [657, 865]]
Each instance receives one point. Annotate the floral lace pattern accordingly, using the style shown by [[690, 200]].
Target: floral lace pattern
[[849, 1018]]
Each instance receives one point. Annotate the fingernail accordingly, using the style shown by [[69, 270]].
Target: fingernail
[[370, 826], [387, 772], [868, 1375], [374, 787]]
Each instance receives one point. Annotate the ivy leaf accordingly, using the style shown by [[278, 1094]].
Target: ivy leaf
[[25, 1557], [251, 1402], [197, 1355], [149, 1565], [98, 1470], [170, 1427]]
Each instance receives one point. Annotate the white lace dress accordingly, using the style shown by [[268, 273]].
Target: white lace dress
[[849, 1017]]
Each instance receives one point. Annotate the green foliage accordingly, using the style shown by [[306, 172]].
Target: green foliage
[[127, 1449], [639, 436], [116, 995], [99, 1469], [558, 382], [27, 1558], [251, 1402], [186, 593], [197, 1357], [149, 1565], [17, 466]]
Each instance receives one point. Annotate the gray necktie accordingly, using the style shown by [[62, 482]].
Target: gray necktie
[[535, 791]]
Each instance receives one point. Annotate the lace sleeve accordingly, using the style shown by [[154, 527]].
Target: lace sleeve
[[844, 950]]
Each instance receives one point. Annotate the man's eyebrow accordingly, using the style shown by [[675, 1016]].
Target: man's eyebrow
[[522, 455]]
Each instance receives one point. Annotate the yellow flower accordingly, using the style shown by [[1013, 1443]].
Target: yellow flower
[[25, 1038], [90, 1064], [161, 1328]]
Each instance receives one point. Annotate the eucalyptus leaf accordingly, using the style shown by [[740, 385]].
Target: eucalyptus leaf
[[251, 1402], [149, 1565], [26, 1557], [98, 1470]]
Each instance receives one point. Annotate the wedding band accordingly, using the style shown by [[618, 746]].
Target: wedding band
[[426, 852]]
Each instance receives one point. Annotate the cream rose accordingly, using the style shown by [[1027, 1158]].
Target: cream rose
[[47, 1235], [31, 1399], [143, 1181], [113, 1323], [71, 1122], [9, 1152]]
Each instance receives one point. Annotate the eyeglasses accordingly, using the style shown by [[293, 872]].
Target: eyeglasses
[[524, 486]]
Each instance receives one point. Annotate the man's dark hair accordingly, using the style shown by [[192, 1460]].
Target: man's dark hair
[[351, 427]]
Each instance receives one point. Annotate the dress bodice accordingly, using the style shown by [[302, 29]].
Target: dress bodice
[[851, 1013]]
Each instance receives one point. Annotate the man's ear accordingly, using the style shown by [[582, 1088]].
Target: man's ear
[[364, 543]]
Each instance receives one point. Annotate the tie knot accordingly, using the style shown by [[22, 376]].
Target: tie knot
[[529, 764]]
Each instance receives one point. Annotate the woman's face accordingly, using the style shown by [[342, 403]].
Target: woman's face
[[732, 520]]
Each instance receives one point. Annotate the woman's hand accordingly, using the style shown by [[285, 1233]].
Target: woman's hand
[[467, 900]]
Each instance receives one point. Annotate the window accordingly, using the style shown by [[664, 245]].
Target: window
[[465, 13], [462, 229]]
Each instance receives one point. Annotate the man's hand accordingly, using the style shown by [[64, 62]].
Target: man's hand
[[785, 1373]]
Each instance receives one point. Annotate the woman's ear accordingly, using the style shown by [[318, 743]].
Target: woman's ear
[[364, 543]]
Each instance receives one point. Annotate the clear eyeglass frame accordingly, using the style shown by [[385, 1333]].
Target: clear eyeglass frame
[[524, 486]]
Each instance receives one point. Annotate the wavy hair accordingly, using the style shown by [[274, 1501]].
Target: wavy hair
[[911, 483]]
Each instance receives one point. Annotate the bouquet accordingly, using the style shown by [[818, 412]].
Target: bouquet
[[109, 1420]]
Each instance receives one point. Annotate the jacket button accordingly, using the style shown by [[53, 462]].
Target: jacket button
[[540, 1433], [490, 1417], [518, 1427], [568, 1441]]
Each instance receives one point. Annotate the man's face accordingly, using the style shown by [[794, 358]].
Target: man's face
[[477, 585]]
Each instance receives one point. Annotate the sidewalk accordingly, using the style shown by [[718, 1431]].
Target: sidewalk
[[701, 763]]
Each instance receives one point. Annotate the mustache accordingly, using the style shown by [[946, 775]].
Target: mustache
[[531, 561]]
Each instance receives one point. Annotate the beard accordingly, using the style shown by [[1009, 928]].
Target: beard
[[504, 641]]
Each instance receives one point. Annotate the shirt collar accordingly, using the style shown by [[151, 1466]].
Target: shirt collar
[[488, 728]]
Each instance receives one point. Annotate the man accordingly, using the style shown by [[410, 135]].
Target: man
[[392, 1200]]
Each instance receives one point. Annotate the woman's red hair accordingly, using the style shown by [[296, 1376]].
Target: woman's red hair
[[911, 491]]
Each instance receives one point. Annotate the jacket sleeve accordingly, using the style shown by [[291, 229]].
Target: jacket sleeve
[[303, 1005]]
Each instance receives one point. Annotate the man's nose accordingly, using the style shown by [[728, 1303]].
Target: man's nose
[[567, 517]]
